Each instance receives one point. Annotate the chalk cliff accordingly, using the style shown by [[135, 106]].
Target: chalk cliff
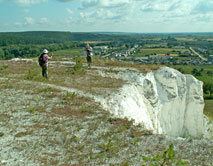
[[164, 101]]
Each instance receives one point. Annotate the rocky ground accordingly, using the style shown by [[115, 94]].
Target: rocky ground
[[58, 122]]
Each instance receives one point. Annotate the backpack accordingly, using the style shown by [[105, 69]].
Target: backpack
[[41, 60]]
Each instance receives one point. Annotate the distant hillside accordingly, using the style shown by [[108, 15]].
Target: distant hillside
[[47, 37]]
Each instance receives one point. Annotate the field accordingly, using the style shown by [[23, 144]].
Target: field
[[69, 52], [155, 45], [208, 111], [159, 51], [187, 69], [186, 39]]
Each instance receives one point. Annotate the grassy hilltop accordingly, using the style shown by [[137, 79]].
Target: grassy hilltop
[[56, 122]]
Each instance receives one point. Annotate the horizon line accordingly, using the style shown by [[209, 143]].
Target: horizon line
[[102, 32]]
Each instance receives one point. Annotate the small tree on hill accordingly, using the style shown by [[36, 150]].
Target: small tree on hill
[[78, 66]]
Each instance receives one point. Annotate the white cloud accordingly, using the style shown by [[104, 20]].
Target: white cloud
[[204, 6], [158, 5], [104, 3], [68, 20], [169, 12], [65, 0], [29, 20], [28, 2], [204, 18], [43, 20], [69, 10], [168, 6], [18, 24], [102, 16], [26, 10], [106, 11]]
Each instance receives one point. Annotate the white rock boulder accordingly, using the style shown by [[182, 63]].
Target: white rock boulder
[[164, 101]]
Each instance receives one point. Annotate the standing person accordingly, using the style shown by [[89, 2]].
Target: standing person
[[43, 62], [89, 54]]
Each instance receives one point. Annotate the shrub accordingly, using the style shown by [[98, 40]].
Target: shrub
[[70, 97], [166, 158], [3, 67], [78, 66], [1, 134], [34, 75]]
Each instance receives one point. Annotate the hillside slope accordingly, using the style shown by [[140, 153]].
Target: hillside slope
[[60, 122]]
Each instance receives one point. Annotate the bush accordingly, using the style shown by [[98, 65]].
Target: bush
[[78, 66], [3, 67], [70, 97], [34, 75], [166, 158]]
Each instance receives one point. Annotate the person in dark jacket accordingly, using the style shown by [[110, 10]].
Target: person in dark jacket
[[89, 54], [43, 61]]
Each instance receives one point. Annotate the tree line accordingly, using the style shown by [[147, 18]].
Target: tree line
[[32, 50], [48, 37]]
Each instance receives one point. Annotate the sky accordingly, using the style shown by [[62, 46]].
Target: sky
[[143, 16]]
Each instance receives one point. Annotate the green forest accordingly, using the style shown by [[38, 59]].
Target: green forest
[[30, 44]]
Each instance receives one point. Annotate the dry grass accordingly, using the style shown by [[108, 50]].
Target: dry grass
[[79, 113], [89, 82], [62, 77], [174, 55], [114, 63], [186, 39]]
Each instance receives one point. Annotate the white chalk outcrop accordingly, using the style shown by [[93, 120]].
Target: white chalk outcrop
[[164, 101]]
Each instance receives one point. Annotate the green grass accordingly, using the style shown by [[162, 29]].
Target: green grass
[[208, 111], [187, 69], [69, 52]]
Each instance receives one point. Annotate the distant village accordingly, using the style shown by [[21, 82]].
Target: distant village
[[193, 57]]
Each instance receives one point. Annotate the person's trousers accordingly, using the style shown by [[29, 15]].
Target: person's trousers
[[44, 71]]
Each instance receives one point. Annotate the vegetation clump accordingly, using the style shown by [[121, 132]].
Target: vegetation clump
[[1, 134], [3, 67], [168, 157], [69, 97], [22, 134], [34, 75], [78, 68]]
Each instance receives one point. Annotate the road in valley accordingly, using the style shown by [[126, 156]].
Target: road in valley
[[193, 51]]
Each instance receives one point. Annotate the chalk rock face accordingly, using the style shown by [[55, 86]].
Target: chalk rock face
[[164, 101]]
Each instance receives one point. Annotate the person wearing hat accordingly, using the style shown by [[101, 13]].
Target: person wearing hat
[[43, 62], [89, 53]]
